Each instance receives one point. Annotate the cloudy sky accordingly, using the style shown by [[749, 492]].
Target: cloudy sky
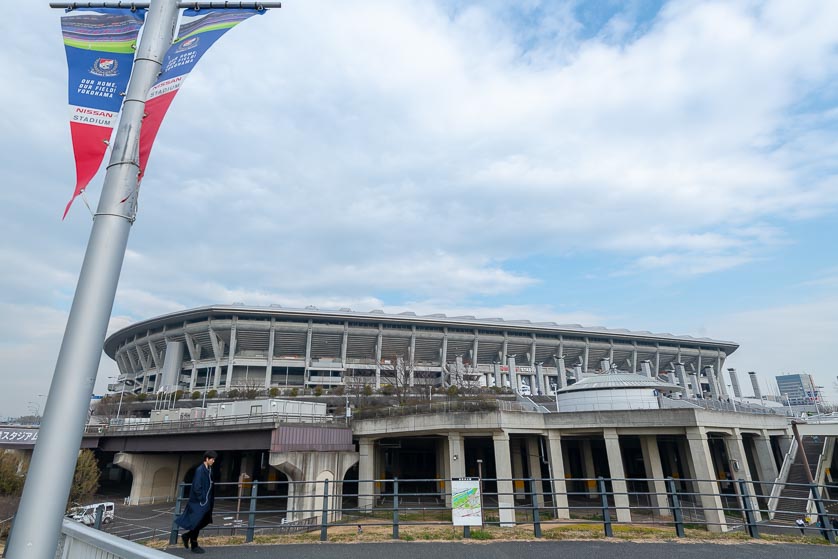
[[664, 166]]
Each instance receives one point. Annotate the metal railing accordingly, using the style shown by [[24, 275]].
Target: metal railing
[[77, 541], [210, 423], [539, 504]]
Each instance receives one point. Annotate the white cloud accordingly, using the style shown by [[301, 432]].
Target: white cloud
[[385, 152]]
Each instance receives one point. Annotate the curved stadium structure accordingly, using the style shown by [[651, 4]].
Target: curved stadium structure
[[224, 347]]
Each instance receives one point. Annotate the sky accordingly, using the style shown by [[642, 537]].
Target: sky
[[662, 166]]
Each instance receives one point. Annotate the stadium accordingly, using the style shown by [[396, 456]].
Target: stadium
[[227, 347]]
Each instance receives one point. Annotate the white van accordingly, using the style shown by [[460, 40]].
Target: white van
[[87, 514]]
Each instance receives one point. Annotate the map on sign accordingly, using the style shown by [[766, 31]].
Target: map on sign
[[465, 502]]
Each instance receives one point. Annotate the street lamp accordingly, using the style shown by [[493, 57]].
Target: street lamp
[[480, 489]]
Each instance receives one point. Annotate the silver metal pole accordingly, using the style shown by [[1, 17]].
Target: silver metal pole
[[119, 407], [39, 516]]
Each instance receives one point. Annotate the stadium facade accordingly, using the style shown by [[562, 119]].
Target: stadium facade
[[224, 347]]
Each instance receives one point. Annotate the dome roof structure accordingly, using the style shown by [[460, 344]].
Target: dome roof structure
[[620, 381]]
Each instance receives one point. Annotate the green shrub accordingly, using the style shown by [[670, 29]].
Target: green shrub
[[142, 397], [233, 393], [293, 392], [11, 474], [212, 393], [195, 395], [85, 478], [481, 535], [318, 391], [273, 392]]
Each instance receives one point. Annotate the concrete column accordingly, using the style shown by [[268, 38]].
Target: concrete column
[[736, 452], [654, 469], [312, 469], [542, 384], [444, 457], [513, 376], [765, 459], [618, 474], [755, 385], [518, 469], [734, 382], [503, 471], [682, 376], [557, 471], [498, 379], [193, 376], [456, 461], [306, 372], [155, 477], [269, 361], [534, 463], [634, 359], [231, 355], [704, 472], [411, 363], [711, 381], [696, 386], [589, 470], [378, 343], [366, 473], [585, 358], [646, 368], [561, 373], [344, 344]]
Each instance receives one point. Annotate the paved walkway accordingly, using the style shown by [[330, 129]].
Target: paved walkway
[[518, 550]]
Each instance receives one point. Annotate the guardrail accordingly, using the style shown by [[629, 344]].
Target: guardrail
[[678, 504], [210, 423], [77, 541]]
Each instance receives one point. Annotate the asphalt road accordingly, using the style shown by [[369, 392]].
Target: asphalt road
[[518, 550]]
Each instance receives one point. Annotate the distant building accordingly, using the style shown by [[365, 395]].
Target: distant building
[[799, 388]]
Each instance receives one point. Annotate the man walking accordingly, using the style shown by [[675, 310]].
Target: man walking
[[198, 512]]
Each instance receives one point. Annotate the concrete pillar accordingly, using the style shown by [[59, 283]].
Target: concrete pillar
[[695, 389], [711, 381], [654, 470], [503, 471], [513, 376], [561, 373], [193, 377], [682, 377], [155, 477], [755, 385], [646, 368], [618, 474], [366, 473], [378, 343], [534, 463], [231, 356], [518, 469], [736, 454], [557, 471], [734, 382], [585, 358], [704, 471], [310, 469], [498, 379], [589, 471], [456, 461], [269, 362], [764, 457]]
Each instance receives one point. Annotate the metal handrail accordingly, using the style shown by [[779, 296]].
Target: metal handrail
[[782, 477], [80, 542]]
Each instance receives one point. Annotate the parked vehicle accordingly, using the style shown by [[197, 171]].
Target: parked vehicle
[[87, 514]]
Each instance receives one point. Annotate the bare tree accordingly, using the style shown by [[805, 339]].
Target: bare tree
[[399, 373]]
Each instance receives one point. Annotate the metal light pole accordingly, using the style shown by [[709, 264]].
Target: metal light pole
[[41, 509], [39, 516]]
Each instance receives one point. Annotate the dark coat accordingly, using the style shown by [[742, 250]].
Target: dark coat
[[201, 499]]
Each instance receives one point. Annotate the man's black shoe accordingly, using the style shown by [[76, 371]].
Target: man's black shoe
[[185, 540], [198, 549]]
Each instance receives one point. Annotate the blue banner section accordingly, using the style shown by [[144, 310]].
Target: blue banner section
[[100, 54]]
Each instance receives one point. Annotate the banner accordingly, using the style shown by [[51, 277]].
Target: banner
[[199, 30], [100, 53]]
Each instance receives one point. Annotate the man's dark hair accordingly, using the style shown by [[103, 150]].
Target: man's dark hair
[[210, 454]]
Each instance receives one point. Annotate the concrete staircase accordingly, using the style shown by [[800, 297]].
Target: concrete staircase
[[794, 496]]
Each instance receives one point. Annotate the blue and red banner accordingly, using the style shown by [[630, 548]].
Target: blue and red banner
[[100, 54], [199, 30]]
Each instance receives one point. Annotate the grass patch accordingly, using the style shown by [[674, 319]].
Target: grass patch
[[482, 535]]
